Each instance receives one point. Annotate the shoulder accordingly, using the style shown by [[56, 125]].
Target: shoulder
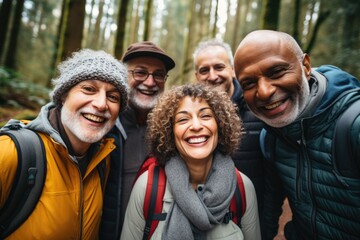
[[247, 182], [250, 194], [8, 151], [8, 163], [139, 189]]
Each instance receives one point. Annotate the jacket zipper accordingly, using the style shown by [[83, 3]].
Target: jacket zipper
[[80, 200], [309, 183], [81, 204]]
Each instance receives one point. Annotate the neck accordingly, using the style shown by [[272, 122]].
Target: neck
[[199, 171]]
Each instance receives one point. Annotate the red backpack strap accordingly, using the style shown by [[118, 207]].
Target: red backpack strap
[[238, 202], [154, 195]]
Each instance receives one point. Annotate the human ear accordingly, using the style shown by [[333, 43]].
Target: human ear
[[307, 66]]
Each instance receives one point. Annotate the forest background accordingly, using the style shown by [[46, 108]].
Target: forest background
[[35, 35]]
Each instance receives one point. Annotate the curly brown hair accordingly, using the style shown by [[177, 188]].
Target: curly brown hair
[[160, 135]]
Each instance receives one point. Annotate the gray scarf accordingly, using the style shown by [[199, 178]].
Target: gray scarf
[[194, 213]]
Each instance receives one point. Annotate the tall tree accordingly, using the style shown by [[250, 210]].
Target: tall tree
[[350, 35], [187, 59], [135, 20], [95, 37], [234, 41], [147, 24], [89, 23], [11, 50], [71, 34], [270, 14], [297, 11], [204, 18], [120, 33], [213, 33], [320, 20], [5, 11]]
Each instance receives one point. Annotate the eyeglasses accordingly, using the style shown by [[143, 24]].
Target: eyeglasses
[[142, 75]]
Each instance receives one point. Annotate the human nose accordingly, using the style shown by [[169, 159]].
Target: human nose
[[100, 101], [150, 81], [195, 124], [265, 89], [212, 75]]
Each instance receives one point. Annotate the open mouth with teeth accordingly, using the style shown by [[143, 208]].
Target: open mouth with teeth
[[148, 92], [273, 106], [196, 140], [94, 118]]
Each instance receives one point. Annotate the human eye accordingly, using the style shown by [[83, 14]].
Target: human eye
[[113, 97], [203, 71], [140, 73], [181, 119], [159, 76], [276, 72], [219, 68], [88, 89], [207, 114], [247, 83]]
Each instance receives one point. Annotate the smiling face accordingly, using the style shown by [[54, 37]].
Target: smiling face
[[274, 78], [144, 94], [213, 66], [195, 130], [89, 111]]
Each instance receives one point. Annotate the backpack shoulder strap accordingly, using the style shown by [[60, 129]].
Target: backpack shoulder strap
[[154, 195], [238, 202], [29, 178], [344, 160], [266, 142]]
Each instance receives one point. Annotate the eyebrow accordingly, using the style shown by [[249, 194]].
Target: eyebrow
[[185, 112]]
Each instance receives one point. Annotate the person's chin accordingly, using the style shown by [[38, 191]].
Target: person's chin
[[145, 104]]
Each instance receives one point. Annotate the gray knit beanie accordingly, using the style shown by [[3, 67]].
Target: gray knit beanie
[[88, 64]]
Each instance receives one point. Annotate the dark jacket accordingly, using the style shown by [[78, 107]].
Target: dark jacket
[[248, 158], [324, 202], [130, 139]]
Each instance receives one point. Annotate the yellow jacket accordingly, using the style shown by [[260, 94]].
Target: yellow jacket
[[70, 205]]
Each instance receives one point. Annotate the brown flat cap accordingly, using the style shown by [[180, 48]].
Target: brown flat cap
[[148, 48]]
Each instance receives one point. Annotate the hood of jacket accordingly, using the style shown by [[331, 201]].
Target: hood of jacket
[[338, 82], [42, 124]]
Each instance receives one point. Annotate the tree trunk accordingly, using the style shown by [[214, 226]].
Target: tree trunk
[[89, 29], [320, 20], [270, 14], [297, 11], [120, 33], [351, 25], [235, 41], [147, 24], [11, 51], [5, 11], [213, 34], [73, 32], [95, 36], [188, 40]]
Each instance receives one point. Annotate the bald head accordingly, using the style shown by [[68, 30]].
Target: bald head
[[266, 41]]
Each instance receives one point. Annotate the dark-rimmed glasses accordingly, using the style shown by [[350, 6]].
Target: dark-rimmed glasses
[[142, 75]]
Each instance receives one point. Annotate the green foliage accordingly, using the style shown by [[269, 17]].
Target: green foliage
[[17, 92]]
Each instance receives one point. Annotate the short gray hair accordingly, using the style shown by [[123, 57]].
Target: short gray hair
[[213, 43]]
